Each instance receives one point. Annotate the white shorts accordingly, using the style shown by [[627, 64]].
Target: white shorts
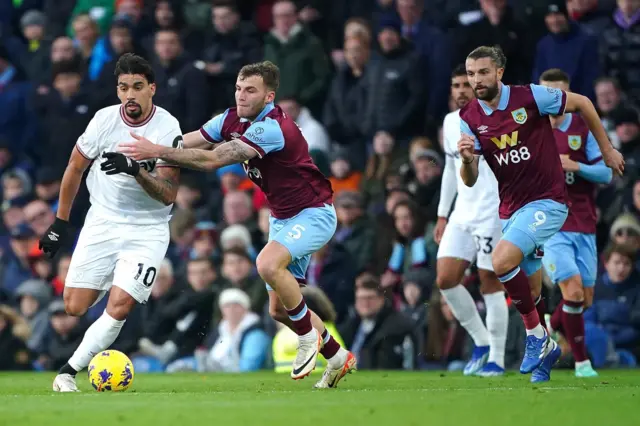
[[125, 255], [470, 243]]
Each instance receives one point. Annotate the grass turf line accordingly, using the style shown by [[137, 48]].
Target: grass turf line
[[365, 398]]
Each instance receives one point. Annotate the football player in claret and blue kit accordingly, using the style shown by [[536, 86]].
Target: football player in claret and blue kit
[[570, 256], [509, 126], [275, 156]]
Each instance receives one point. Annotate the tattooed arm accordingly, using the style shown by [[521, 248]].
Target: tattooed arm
[[162, 187], [224, 154]]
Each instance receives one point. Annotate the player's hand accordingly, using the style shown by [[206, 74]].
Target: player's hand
[[55, 236], [466, 148], [614, 160], [118, 163], [140, 149], [568, 165], [439, 229]]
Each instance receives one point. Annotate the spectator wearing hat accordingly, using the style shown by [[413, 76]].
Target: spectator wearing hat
[[238, 236], [16, 269], [355, 232], [303, 63], [14, 334], [314, 133], [33, 25], [16, 183], [17, 120], [620, 48], [34, 297], [205, 241], [12, 216], [567, 47], [63, 338], [625, 230], [395, 86], [47, 186], [343, 176], [237, 344]]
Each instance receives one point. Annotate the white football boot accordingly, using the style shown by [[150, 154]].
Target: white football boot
[[65, 383], [308, 349]]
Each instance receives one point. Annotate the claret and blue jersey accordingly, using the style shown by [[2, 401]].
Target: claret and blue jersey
[[516, 140]]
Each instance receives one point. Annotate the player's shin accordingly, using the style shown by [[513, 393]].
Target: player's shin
[[517, 285], [464, 309], [102, 333], [497, 325], [573, 322], [541, 307]]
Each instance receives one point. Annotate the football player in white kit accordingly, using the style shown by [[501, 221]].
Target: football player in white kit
[[469, 233], [126, 232]]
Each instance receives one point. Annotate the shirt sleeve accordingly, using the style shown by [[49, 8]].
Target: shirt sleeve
[[593, 149], [173, 139], [88, 143], [550, 101], [264, 136], [449, 184], [212, 129], [466, 130]]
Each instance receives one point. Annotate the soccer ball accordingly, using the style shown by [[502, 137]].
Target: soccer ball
[[110, 371]]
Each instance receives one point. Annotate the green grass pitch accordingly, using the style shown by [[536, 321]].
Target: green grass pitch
[[364, 398]]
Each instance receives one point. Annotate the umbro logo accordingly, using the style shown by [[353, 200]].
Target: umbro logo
[[482, 129], [53, 236], [235, 135]]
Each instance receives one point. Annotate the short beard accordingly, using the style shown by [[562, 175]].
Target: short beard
[[462, 101], [134, 114], [492, 92]]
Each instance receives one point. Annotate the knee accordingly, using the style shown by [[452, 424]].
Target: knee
[[74, 307], [573, 291], [278, 314], [119, 308], [505, 260], [268, 270]]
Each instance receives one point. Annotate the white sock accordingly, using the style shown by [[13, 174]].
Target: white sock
[[497, 322], [338, 360], [538, 331], [581, 363], [465, 311], [102, 333]]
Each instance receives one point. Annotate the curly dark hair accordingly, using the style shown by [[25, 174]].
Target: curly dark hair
[[134, 64]]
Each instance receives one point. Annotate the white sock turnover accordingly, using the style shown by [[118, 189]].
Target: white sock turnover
[[102, 333]]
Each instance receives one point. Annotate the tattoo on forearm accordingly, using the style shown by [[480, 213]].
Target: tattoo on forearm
[[159, 188], [223, 154]]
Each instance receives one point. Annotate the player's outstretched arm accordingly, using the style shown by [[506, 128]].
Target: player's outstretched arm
[[583, 105], [195, 140], [162, 187], [71, 179]]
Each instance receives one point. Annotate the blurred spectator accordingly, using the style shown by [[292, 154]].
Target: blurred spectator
[[12, 214], [34, 297], [304, 68], [627, 125], [62, 340], [238, 270], [620, 45], [64, 115], [100, 11], [343, 176], [191, 195], [58, 13], [569, 48], [497, 27], [169, 14], [33, 25], [409, 248], [14, 333], [592, 15], [608, 97], [433, 46], [9, 160], [181, 87], [625, 230], [47, 186], [344, 107], [15, 263], [239, 342], [380, 338], [86, 34], [427, 166], [238, 236], [39, 217], [193, 309], [285, 342], [62, 269], [228, 47], [238, 210], [444, 347], [15, 183], [41, 265], [314, 133], [616, 304], [17, 120], [395, 87], [355, 230], [381, 163]]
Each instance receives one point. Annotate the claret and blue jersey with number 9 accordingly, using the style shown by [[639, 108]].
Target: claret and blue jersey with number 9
[[517, 141]]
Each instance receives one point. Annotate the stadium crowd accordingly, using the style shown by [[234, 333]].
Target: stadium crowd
[[368, 83]]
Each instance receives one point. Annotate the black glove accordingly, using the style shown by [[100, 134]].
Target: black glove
[[119, 163], [55, 236]]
